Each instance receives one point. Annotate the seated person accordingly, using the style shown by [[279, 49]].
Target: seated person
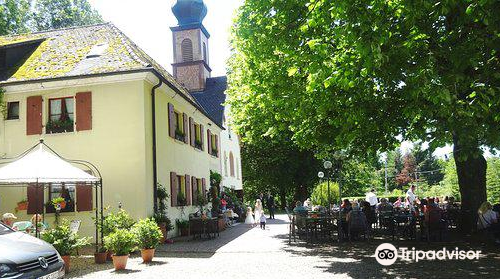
[[300, 209], [488, 220], [307, 203], [369, 212], [8, 219], [384, 206], [429, 215], [356, 219], [398, 202]]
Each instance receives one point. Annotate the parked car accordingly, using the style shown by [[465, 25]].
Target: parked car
[[24, 256]]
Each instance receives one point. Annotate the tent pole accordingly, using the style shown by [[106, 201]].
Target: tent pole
[[96, 218], [36, 208], [102, 212], [43, 204]]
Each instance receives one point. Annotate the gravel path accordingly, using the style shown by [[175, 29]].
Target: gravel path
[[245, 252]]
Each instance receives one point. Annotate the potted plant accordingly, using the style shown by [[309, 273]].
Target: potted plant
[[198, 144], [22, 205], [64, 241], [179, 135], [181, 199], [100, 256], [59, 203], [148, 236], [183, 226], [113, 222], [59, 126], [160, 215], [122, 242]]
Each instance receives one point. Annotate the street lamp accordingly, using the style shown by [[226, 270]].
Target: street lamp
[[327, 165]]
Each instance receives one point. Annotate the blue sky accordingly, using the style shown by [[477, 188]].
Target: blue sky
[[148, 22]]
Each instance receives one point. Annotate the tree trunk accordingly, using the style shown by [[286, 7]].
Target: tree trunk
[[471, 171], [283, 200]]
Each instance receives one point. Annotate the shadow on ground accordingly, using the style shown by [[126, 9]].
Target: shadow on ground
[[357, 259], [188, 247]]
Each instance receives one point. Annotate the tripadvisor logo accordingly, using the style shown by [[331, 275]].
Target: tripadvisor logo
[[386, 254]]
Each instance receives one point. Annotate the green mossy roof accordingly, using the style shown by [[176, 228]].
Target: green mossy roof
[[63, 53]]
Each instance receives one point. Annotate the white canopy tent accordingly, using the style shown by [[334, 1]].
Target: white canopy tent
[[40, 166]]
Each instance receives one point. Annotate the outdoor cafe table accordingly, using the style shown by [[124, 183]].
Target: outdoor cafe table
[[316, 224]]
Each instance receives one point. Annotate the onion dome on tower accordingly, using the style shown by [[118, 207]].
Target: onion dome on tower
[[189, 12]]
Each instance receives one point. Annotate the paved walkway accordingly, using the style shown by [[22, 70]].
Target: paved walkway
[[245, 252]]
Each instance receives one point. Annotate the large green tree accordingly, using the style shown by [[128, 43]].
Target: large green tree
[[55, 14], [364, 74], [19, 16], [14, 15], [278, 166]]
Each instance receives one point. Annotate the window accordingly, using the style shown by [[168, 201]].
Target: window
[[214, 142], [181, 190], [197, 136], [61, 118], [199, 186], [237, 169], [12, 110], [205, 58], [187, 50], [225, 163], [231, 163], [67, 192], [179, 126]]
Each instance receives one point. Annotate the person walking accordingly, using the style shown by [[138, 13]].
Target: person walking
[[270, 205]]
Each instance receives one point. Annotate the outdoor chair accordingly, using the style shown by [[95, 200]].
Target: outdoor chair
[[386, 222], [357, 225], [434, 224]]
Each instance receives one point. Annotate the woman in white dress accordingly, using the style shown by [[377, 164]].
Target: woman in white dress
[[258, 210], [249, 220]]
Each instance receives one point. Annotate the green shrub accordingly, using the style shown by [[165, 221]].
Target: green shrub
[[122, 242], [319, 195], [182, 224], [148, 233], [115, 221], [65, 241]]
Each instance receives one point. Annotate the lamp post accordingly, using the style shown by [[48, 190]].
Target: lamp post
[[327, 165]]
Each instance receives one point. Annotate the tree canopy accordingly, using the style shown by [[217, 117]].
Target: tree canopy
[[362, 75], [20, 16]]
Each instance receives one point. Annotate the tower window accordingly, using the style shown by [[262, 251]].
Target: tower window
[[187, 50], [205, 52]]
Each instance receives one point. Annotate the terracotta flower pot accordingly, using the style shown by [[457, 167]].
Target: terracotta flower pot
[[120, 262], [67, 263], [163, 229], [109, 256], [22, 205], [100, 258], [147, 255]]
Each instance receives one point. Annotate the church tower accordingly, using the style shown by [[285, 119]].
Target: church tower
[[190, 40]]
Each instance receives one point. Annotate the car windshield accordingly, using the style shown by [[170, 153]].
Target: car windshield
[[4, 229]]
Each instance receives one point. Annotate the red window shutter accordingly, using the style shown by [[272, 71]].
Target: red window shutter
[[186, 128], [173, 188], [34, 115], [83, 111], [202, 137], [209, 141], [194, 190], [84, 197], [203, 186], [171, 121], [35, 199], [192, 132], [188, 189]]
